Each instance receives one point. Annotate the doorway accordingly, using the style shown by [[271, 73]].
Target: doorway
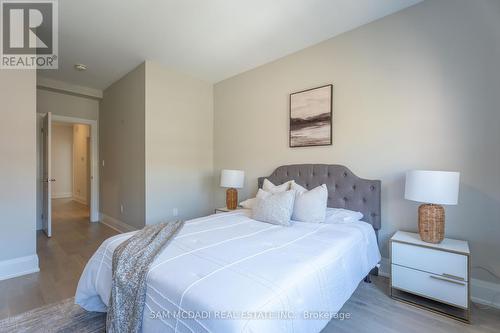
[[68, 171]]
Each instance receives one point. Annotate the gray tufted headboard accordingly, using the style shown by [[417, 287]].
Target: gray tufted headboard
[[345, 189]]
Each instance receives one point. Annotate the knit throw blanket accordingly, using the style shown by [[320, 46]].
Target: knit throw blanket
[[131, 262]]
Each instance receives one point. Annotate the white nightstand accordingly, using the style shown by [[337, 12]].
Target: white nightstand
[[434, 276], [225, 210]]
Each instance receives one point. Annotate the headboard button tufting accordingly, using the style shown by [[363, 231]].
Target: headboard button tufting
[[345, 189]]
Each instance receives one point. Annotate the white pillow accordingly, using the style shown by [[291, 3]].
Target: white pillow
[[310, 206], [270, 187], [338, 215], [248, 203], [274, 208]]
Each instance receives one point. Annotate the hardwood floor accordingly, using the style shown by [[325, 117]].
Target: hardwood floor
[[372, 310], [62, 259]]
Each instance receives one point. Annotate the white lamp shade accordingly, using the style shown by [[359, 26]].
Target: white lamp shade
[[232, 178], [435, 187]]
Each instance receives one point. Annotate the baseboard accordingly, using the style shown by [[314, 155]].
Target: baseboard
[[61, 195], [116, 224], [486, 293], [18, 266], [79, 199], [482, 292]]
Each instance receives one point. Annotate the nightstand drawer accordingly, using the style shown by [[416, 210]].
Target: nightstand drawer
[[430, 260], [433, 286]]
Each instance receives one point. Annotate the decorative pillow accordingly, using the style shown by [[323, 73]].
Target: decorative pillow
[[297, 188], [338, 215], [274, 208], [248, 203], [270, 187], [310, 206]]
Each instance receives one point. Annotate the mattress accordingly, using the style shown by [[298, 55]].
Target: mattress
[[229, 273]]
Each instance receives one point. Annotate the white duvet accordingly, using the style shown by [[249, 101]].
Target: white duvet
[[229, 273]]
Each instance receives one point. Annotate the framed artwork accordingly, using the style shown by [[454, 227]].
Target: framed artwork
[[311, 117]]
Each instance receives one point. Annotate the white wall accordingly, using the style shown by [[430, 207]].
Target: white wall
[[62, 160], [80, 158], [18, 168], [417, 89], [179, 145]]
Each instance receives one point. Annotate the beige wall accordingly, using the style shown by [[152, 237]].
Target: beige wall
[[156, 141], [81, 172], [179, 144], [417, 89], [121, 141], [62, 160], [66, 104], [18, 166]]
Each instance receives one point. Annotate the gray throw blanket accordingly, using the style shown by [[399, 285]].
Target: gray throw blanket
[[131, 262]]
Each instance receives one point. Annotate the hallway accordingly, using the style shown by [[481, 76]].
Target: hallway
[[62, 259]]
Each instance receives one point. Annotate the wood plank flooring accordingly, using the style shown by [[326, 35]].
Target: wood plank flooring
[[62, 259], [372, 310]]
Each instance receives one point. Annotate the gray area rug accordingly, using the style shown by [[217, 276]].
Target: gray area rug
[[64, 316]]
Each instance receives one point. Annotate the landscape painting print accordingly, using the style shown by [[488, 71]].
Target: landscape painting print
[[311, 117]]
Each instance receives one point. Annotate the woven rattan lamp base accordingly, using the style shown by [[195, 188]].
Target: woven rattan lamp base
[[431, 223], [231, 198]]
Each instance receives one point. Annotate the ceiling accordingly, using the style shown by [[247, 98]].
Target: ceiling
[[208, 39]]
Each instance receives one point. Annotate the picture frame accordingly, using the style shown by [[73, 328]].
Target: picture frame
[[311, 117]]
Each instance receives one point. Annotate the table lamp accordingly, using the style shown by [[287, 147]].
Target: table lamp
[[433, 188], [232, 179]]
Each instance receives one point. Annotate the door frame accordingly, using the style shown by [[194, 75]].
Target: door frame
[[46, 176], [94, 160]]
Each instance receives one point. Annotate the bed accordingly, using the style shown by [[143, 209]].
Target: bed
[[229, 273]]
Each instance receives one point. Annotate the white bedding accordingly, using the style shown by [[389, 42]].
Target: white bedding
[[236, 275]]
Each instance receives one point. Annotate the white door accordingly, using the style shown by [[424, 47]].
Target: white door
[[46, 174]]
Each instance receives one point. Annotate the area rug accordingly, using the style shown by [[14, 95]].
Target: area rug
[[61, 317]]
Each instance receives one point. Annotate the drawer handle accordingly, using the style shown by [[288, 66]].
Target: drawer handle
[[444, 279], [454, 277]]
